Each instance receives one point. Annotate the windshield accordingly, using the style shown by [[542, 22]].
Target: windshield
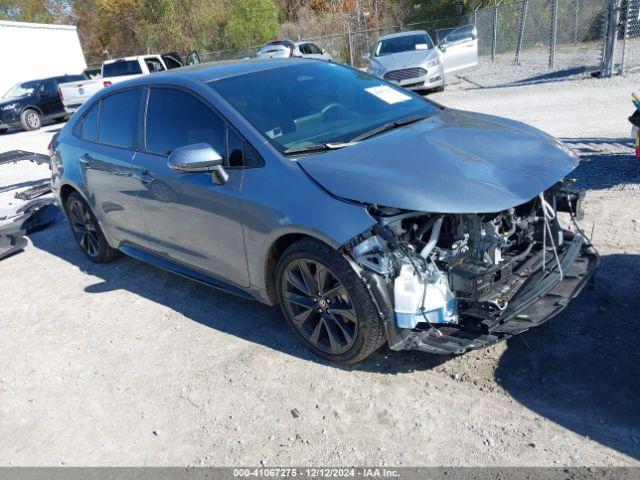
[[317, 103], [120, 68], [22, 90], [407, 43]]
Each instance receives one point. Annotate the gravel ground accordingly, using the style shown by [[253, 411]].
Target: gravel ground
[[123, 364]]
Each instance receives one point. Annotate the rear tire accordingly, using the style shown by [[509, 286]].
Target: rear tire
[[86, 230], [326, 303], [30, 119]]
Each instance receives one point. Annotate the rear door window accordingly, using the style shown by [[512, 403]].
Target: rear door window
[[176, 118], [49, 88], [119, 118]]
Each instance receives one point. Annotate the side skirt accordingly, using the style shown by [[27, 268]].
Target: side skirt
[[183, 271]]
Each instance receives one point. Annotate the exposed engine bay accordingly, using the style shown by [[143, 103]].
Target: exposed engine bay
[[447, 283]]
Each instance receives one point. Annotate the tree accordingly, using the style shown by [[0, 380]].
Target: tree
[[35, 11], [251, 22]]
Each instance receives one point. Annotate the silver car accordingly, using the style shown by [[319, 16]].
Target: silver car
[[288, 49], [411, 59], [368, 213]]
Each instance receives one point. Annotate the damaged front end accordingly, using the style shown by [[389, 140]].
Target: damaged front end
[[448, 283]]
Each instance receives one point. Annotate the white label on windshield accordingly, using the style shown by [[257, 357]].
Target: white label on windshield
[[422, 46], [388, 94]]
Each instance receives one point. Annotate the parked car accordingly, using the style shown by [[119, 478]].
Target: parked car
[[74, 94], [29, 104], [411, 59], [288, 49], [368, 213]]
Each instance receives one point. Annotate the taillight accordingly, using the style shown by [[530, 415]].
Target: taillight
[[51, 147], [60, 94], [106, 83]]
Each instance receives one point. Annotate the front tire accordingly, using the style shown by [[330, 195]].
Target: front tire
[[30, 119], [87, 231], [327, 304]]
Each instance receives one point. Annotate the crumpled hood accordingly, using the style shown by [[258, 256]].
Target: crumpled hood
[[451, 162], [397, 61]]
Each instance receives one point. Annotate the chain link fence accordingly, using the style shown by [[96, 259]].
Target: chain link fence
[[517, 39], [626, 58]]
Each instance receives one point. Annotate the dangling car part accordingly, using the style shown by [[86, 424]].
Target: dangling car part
[[34, 211], [456, 282]]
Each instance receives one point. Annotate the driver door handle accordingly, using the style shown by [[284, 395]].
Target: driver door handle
[[85, 159], [143, 176]]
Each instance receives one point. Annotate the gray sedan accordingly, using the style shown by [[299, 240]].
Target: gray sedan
[[411, 59], [369, 214]]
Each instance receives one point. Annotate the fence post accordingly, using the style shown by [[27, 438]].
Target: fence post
[[495, 32], [554, 34], [350, 44], [523, 23], [624, 37], [577, 23], [610, 39]]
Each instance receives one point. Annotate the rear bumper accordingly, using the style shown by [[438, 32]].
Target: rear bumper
[[71, 109], [536, 302]]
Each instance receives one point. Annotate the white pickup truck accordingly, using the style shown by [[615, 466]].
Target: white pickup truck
[[74, 94]]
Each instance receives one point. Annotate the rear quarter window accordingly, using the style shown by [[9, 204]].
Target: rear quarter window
[[89, 124]]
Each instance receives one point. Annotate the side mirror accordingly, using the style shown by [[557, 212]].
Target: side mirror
[[198, 158], [323, 51], [366, 56]]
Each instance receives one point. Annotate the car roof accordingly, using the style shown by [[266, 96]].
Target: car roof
[[403, 34], [280, 41], [209, 72], [57, 77]]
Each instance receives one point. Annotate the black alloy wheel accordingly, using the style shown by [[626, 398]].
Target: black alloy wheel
[[319, 306], [85, 229]]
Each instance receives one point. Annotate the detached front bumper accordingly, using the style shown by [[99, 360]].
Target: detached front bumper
[[539, 299]]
